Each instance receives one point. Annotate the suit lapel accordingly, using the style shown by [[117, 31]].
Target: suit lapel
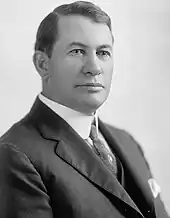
[[130, 156], [73, 149]]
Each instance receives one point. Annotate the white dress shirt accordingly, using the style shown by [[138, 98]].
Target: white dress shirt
[[80, 122]]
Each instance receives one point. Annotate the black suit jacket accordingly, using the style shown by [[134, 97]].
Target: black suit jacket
[[47, 170]]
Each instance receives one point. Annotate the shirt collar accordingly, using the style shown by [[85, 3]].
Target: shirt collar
[[80, 122]]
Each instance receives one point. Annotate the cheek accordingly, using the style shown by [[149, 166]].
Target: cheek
[[69, 63], [108, 75], [73, 63], [65, 74], [70, 70]]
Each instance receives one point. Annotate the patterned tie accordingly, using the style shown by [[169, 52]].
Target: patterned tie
[[108, 158]]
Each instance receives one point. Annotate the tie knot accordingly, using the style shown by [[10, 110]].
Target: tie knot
[[93, 132]]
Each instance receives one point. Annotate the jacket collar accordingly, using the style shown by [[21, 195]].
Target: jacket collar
[[74, 150]]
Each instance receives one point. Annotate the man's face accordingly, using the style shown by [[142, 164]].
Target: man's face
[[81, 65]]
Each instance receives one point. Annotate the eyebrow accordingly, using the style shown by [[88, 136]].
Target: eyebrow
[[107, 46]]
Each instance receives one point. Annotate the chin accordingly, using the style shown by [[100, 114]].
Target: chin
[[94, 105], [89, 104]]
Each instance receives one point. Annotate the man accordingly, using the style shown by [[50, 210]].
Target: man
[[61, 160]]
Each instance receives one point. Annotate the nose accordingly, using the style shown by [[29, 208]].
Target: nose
[[92, 66]]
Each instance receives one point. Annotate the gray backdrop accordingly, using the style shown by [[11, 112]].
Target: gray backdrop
[[139, 100]]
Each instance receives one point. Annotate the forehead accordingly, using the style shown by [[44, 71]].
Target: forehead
[[82, 29]]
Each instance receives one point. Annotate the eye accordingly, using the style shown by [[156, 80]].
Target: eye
[[104, 54], [76, 52]]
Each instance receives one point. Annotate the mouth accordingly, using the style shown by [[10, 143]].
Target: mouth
[[91, 85]]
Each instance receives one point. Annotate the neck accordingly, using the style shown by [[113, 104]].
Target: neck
[[84, 110]]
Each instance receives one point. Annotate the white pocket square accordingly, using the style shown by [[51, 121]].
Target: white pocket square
[[154, 187]]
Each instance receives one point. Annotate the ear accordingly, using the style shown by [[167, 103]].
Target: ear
[[41, 63]]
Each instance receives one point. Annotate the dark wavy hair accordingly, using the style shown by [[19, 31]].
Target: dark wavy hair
[[47, 33]]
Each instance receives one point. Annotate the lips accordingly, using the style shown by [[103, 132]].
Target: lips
[[91, 85]]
